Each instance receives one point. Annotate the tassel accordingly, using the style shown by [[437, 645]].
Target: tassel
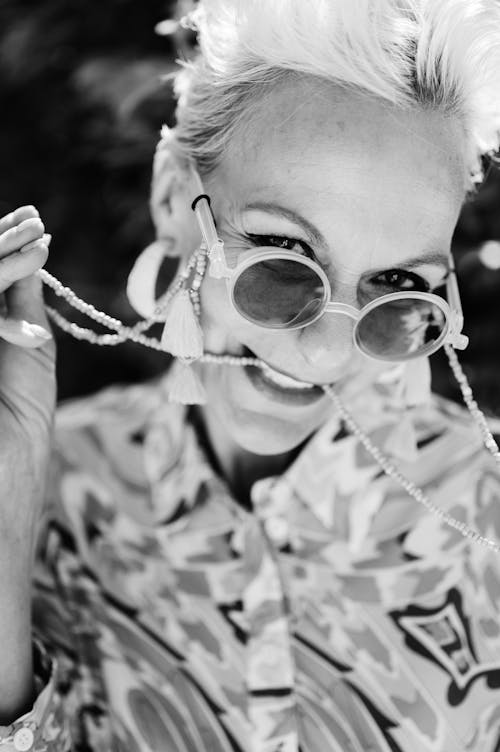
[[402, 441], [417, 382], [182, 335], [183, 385], [218, 265]]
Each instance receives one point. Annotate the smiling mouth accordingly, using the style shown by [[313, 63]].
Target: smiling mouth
[[267, 378], [282, 380]]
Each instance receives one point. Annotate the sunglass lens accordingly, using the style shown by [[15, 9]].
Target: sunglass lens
[[402, 329], [279, 293]]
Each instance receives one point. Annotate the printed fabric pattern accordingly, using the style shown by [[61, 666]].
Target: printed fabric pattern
[[335, 615]]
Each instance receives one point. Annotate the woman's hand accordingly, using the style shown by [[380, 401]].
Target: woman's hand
[[27, 378], [27, 397]]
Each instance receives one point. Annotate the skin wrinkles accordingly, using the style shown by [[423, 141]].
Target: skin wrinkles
[[313, 235], [373, 195]]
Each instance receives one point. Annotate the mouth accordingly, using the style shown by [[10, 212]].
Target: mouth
[[280, 386]]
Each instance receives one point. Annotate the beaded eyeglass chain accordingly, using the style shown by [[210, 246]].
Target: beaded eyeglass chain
[[122, 333]]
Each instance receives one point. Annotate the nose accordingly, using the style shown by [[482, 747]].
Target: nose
[[327, 345]]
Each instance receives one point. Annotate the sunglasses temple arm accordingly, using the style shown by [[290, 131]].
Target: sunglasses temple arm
[[215, 246], [458, 340]]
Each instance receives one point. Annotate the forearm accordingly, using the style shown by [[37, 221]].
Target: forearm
[[20, 501], [16, 661]]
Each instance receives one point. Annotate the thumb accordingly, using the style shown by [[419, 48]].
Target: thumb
[[26, 324], [25, 301]]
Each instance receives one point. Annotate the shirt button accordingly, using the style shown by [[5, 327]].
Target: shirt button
[[23, 739], [278, 530]]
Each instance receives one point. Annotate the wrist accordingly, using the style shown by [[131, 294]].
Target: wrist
[[16, 659]]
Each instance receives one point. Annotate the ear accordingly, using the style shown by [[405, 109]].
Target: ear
[[173, 190]]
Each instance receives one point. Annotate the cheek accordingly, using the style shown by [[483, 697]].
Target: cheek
[[219, 321]]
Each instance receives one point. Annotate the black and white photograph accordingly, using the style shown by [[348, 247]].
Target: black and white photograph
[[250, 376]]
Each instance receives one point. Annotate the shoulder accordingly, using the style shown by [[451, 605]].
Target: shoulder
[[114, 424], [466, 438], [106, 448], [460, 475], [118, 404], [450, 430]]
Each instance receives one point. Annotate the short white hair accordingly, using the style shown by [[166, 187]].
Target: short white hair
[[442, 54]]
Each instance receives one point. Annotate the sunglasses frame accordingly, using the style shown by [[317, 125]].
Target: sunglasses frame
[[452, 310]]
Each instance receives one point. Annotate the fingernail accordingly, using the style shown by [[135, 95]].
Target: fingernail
[[35, 245], [39, 331], [22, 333], [47, 238]]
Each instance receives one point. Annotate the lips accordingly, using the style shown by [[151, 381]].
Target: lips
[[281, 387], [284, 381]]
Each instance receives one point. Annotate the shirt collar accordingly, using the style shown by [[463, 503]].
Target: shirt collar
[[327, 469]]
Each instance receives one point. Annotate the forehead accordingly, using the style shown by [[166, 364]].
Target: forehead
[[340, 158]]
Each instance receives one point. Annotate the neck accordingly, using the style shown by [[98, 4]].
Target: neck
[[239, 467]]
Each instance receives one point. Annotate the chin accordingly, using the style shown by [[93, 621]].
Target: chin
[[263, 433], [268, 436], [258, 419]]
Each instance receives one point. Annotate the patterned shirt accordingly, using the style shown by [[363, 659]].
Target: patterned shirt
[[337, 615]]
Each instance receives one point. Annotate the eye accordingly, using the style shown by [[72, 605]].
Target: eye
[[388, 281], [282, 243], [399, 280]]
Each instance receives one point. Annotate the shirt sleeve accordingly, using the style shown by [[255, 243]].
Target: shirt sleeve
[[51, 724], [43, 727], [477, 658], [95, 462]]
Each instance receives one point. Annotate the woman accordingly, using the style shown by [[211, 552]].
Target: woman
[[242, 574]]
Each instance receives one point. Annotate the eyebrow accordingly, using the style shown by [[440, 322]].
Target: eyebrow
[[436, 258]]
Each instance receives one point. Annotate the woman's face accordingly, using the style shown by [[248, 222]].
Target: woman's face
[[372, 194]]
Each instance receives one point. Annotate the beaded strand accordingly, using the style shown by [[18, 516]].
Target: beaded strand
[[408, 485], [123, 332], [488, 440], [197, 263]]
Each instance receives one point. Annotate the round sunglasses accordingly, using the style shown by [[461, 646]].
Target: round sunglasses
[[281, 290]]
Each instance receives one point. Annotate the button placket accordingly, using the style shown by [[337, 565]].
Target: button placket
[[278, 530], [269, 498], [269, 658]]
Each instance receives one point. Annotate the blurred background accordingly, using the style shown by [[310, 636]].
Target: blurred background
[[83, 96]]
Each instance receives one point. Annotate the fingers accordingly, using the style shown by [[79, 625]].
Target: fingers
[[17, 216], [25, 301], [27, 324], [18, 265], [23, 251], [26, 232]]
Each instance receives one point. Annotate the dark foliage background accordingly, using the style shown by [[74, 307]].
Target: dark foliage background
[[82, 100]]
